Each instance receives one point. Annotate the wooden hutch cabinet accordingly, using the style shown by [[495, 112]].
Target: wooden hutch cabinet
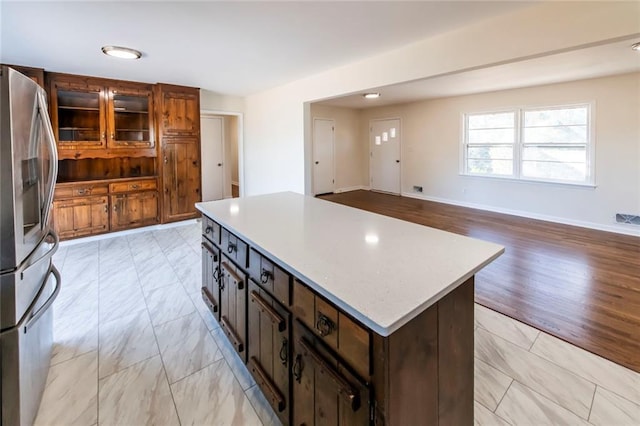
[[178, 115]]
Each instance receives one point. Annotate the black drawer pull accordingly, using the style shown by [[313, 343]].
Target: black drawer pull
[[265, 276], [345, 389], [231, 248], [264, 306], [297, 368], [215, 273], [208, 230], [324, 325], [284, 351]]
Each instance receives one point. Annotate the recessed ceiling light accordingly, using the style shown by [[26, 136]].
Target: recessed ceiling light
[[371, 95], [121, 52], [636, 46]]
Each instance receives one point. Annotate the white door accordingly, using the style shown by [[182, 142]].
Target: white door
[[385, 155], [212, 141], [323, 139]]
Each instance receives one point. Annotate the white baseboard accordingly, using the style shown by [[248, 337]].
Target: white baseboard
[[352, 188], [127, 232], [618, 229]]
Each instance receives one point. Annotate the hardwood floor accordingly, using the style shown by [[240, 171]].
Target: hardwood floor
[[578, 284]]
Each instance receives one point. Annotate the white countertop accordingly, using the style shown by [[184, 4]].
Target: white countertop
[[382, 271]]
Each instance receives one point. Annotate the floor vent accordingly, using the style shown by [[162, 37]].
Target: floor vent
[[628, 218]]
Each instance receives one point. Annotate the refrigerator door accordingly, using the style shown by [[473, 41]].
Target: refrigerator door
[[28, 166], [25, 353], [19, 288]]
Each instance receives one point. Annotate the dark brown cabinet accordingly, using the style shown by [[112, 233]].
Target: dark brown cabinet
[[269, 349], [101, 116], [233, 305], [134, 210], [270, 276], [211, 278], [324, 391], [75, 217]]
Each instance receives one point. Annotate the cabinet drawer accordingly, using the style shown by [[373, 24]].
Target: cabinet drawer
[[138, 185], [234, 248], [80, 191], [334, 327], [270, 276], [211, 230]]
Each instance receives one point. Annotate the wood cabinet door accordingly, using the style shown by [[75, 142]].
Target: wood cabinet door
[[179, 111], [269, 351], [324, 392], [233, 306], [78, 114], [134, 209], [180, 178], [81, 216], [130, 118], [211, 278]]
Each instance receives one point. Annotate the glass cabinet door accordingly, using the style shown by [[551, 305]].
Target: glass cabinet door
[[130, 118], [78, 116]]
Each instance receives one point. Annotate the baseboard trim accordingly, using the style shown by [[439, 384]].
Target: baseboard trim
[[618, 229], [127, 232], [352, 188]]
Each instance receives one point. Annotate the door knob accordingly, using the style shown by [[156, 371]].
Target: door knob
[[219, 164], [317, 162], [397, 161]]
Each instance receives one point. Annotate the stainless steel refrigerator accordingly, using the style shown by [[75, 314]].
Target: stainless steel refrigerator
[[29, 282]]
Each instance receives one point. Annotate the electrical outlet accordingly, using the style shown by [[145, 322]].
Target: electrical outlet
[[417, 188]]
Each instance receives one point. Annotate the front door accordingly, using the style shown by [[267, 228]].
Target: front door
[[385, 155], [212, 131], [323, 131]]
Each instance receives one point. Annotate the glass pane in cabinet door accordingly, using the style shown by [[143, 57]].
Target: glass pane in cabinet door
[[131, 118], [78, 116]]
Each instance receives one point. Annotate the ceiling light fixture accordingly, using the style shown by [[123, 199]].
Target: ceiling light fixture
[[121, 52], [371, 95], [636, 46]]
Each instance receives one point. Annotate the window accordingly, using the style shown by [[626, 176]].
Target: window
[[548, 144]]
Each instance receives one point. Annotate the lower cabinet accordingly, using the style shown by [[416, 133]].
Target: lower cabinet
[[269, 349], [325, 392], [211, 278], [233, 305], [134, 209], [81, 216]]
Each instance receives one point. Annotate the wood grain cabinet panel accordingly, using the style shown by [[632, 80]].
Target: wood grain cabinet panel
[[211, 278], [233, 305], [181, 179], [179, 110], [81, 216], [269, 349], [135, 209], [270, 277]]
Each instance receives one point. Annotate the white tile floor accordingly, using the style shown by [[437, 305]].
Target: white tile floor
[[135, 345]]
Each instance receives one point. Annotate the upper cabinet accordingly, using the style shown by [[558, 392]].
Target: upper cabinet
[[95, 118], [179, 110]]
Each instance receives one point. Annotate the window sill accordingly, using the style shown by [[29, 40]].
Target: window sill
[[534, 181]]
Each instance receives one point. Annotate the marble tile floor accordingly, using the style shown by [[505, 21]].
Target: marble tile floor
[[135, 345]]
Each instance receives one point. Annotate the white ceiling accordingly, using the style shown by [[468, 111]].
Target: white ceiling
[[234, 48], [589, 62]]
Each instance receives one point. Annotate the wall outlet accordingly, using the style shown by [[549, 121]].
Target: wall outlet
[[417, 188]]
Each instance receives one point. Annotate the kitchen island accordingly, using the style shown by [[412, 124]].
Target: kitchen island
[[344, 316]]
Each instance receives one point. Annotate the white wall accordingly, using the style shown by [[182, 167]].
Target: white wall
[[431, 135], [350, 154], [211, 101], [277, 135]]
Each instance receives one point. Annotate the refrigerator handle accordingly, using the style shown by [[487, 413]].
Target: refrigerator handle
[[53, 170], [33, 317], [49, 253]]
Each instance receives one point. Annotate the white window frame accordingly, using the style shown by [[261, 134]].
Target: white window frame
[[518, 146]]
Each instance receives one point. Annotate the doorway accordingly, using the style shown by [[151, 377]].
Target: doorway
[[220, 155], [384, 157], [323, 157]]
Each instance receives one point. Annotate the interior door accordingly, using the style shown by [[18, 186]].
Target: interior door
[[385, 155], [212, 134], [323, 141]]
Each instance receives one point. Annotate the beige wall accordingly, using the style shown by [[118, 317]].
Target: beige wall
[[350, 154], [431, 135]]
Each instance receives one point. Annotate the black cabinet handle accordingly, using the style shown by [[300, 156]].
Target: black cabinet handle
[[265, 276], [283, 351], [297, 368], [208, 230], [324, 325], [231, 248], [215, 274]]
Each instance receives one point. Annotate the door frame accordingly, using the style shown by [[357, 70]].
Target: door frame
[[333, 153], [371, 121], [240, 117]]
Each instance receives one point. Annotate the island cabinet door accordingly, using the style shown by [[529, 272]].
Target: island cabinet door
[[211, 278], [269, 349], [324, 392], [233, 306]]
